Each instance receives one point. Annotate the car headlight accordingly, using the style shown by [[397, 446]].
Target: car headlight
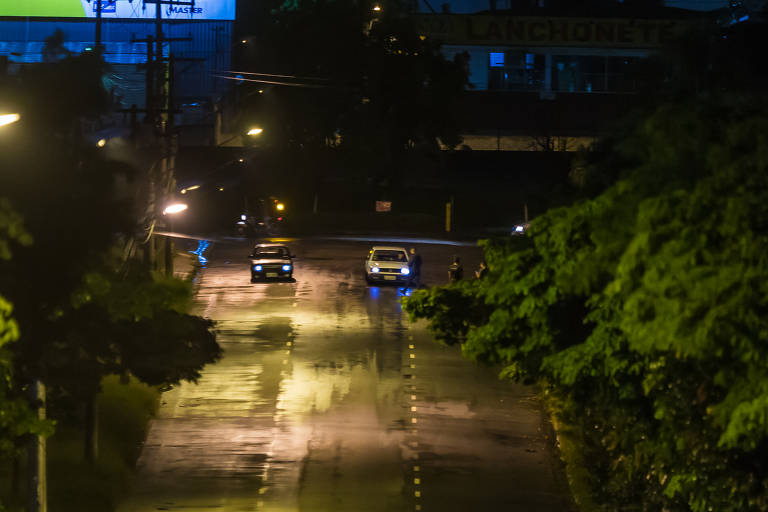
[[257, 268], [375, 270], [405, 271], [286, 267]]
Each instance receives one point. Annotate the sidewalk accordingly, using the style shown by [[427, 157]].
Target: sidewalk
[[189, 257]]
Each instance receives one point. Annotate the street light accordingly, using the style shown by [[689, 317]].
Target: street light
[[170, 211], [9, 118], [175, 208], [190, 188], [255, 131]]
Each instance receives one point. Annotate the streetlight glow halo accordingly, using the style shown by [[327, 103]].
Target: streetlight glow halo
[[9, 118], [174, 208]]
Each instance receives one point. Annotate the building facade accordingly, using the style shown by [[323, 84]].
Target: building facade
[[552, 75], [199, 38]]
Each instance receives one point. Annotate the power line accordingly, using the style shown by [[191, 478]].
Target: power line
[[278, 76], [271, 82]]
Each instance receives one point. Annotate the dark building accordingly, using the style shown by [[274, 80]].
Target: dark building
[[200, 41], [549, 74]]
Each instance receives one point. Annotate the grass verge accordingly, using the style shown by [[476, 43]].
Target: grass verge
[[570, 448], [124, 411]]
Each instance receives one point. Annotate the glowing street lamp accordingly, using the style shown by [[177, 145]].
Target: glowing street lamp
[[255, 131], [175, 208], [190, 188], [6, 119]]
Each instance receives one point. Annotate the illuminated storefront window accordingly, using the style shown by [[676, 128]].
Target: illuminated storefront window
[[525, 71], [515, 71]]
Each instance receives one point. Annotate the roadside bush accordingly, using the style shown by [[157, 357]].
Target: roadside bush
[[643, 311]]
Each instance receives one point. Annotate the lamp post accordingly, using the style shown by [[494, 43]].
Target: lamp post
[[172, 209]]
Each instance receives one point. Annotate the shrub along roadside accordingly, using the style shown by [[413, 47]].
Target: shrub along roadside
[[74, 485], [569, 447], [124, 411], [644, 311]]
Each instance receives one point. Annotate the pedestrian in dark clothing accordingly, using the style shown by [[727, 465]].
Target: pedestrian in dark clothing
[[455, 270], [414, 262], [482, 271]]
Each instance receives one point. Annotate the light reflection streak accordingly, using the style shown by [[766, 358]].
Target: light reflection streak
[[202, 246], [309, 390]]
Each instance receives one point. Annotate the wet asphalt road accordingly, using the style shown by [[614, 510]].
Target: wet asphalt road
[[328, 399]]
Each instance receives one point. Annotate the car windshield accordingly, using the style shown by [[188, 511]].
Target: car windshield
[[270, 252], [389, 256]]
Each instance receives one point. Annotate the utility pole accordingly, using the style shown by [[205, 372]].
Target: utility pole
[[97, 37], [160, 112], [37, 495]]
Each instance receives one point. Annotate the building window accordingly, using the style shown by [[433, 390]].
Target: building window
[[583, 73], [515, 71]]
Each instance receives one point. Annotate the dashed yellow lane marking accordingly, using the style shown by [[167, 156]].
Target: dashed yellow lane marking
[[414, 420], [411, 347], [413, 356], [416, 469], [413, 397], [417, 481], [413, 408], [417, 494]]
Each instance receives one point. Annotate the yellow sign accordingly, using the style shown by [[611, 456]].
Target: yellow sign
[[533, 31]]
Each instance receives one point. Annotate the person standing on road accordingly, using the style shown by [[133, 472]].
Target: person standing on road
[[414, 262], [482, 271], [455, 270]]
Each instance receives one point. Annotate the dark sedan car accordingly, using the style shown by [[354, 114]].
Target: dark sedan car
[[271, 261]]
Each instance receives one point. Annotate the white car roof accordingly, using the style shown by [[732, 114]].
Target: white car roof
[[387, 248]]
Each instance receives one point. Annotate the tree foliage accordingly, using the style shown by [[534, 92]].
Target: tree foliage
[[643, 309], [80, 312], [16, 418], [372, 85]]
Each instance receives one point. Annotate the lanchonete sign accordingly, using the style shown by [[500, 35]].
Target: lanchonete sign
[[136, 9], [519, 30]]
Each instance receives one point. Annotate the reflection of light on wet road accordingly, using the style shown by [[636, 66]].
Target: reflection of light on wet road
[[322, 401], [308, 390], [202, 246]]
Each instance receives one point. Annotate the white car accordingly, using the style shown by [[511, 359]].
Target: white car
[[387, 264]]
